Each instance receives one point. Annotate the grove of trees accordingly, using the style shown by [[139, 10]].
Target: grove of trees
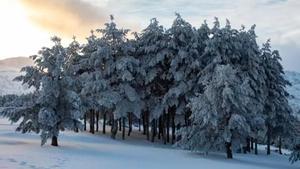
[[201, 89]]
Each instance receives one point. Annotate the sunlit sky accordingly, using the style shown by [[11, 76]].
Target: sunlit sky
[[27, 25]]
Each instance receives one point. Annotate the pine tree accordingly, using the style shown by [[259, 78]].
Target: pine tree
[[225, 100], [54, 106], [152, 50], [277, 109], [120, 69]]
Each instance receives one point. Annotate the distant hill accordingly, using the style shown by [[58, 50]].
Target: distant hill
[[15, 64], [9, 69], [294, 90]]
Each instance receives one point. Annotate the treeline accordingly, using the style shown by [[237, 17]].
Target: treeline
[[203, 89]]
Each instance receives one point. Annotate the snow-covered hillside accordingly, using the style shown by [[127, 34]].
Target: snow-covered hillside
[[8, 86], [84, 150], [294, 90], [9, 69]]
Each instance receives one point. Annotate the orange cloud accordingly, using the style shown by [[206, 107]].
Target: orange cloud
[[65, 17]]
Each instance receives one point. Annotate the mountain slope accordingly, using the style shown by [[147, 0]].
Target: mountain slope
[[294, 90], [9, 69], [15, 64]]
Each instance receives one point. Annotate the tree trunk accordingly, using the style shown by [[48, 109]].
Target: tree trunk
[[120, 124], [147, 125], [84, 121], [54, 141], [104, 123], [153, 130], [255, 148], [228, 150], [144, 123], [280, 145], [97, 121], [168, 127], [139, 124], [123, 126], [173, 128], [248, 148], [129, 123], [185, 119], [114, 128], [252, 143], [164, 128], [159, 128], [268, 142], [92, 116]]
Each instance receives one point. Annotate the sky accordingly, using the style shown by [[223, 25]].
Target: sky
[[27, 25]]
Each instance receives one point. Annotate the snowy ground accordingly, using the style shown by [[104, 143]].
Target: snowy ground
[[86, 151]]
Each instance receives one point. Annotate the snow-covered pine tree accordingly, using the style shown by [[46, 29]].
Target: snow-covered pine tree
[[185, 46], [277, 109], [152, 50], [120, 69], [220, 111], [54, 106], [253, 75], [22, 109], [295, 156]]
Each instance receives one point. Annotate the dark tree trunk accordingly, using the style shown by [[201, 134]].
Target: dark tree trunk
[[111, 119], [144, 123], [255, 148], [185, 119], [173, 128], [147, 125], [84, 121], [97, 121], [92, 123], [114, 128], [159, 128], [178, 128], [228, 150], [153, 130], [252, 143], [104, 123], [280, 145], [268, 142], [54, 141], [139, 124], [129, 123], [164, 129], [168, 127], [248, 148], [120, 124], [123, 126]]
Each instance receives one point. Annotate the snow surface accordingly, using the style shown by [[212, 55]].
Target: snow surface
[[84, 150]]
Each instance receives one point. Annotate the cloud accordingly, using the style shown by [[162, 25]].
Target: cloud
[[67, 17]]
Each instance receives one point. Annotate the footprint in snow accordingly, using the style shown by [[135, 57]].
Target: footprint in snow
[[55, 166], [12, 160], [22, 163]]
